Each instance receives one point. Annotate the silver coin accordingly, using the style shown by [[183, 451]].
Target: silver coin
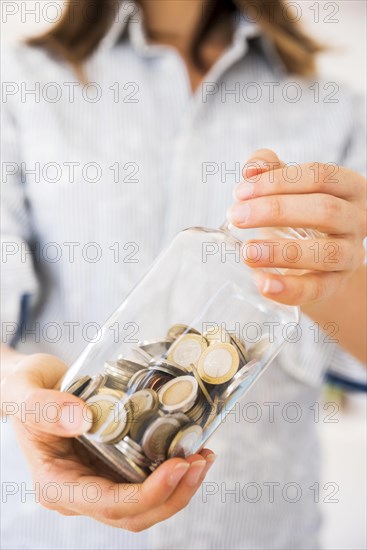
[[197, 412], [187, 349], [133, 444], [177, 330], [182, 418], [129, 365], [97, 382], [116, 460], [142, 401], [77, 386], [135, 379], [137, 456], [141, 355], [185, 441], [156, 348], [139, 425], [166, 366], [158, 436]]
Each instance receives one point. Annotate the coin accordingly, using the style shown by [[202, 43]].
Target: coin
[[111, 391], [156, 348], [187, 349], [141, 355], [201, 384], [133, 451], [217, 334], [122, 465], [177, 330], [97, 382], [212, 413], [133, 444], [116, 383], [128, 366], [138, 425], [142, 401], [199, 410], [119, 373], [135, 379], [181, 417], [156, 381], [179, 394], [168, 368], [111, 418], [185, 441], [218, 363], [76, 387], [158, 436]]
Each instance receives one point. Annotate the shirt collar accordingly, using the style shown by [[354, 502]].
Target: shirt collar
[[128, 21]]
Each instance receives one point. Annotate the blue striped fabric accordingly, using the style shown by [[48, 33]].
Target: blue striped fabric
[[150, 158]]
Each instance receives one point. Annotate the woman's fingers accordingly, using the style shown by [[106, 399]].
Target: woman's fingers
[[262, 160], [299, 289], [188, 486], [25, 396], [325, 213], [116, 503], [119, 501], [268, 175], [318, 254]]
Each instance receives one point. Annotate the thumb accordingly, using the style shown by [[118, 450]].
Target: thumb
[[262, 160], [27, 394]]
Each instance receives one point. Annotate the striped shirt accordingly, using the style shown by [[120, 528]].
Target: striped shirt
[[97, 179]]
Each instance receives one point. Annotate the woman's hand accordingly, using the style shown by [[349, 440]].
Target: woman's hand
[[66, 475], [327, 198]]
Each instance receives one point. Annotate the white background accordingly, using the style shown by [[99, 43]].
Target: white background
[[340, 25]]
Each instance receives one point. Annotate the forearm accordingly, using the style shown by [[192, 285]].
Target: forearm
[[346, 308], [9, 360]]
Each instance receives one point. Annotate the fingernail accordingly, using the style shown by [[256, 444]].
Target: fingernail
[[178, 473], [76, 421], [193, 475], [253, 167], [245, 190], [239, 213], [271, 286], [211, 458]]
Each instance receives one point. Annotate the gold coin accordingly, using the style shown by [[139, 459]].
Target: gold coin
[[178, 394], [217, 335], [185, 441], [177, 330], [218, 363], [187, 349], [111, 418]]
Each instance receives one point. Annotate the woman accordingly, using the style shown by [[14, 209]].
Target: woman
[[124, 127]]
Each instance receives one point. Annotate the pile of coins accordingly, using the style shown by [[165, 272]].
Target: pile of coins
[[156, 406]]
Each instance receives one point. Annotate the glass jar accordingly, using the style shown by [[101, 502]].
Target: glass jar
[[185, 345]]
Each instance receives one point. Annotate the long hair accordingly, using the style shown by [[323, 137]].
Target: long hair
[[84, 24]]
